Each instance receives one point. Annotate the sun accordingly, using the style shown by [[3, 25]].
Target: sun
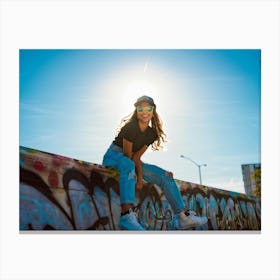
[[133, 81], [136, 88]]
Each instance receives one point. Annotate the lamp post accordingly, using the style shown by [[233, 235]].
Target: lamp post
[[198, 165]]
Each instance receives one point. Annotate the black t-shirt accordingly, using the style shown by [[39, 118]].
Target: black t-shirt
[[132, 133]]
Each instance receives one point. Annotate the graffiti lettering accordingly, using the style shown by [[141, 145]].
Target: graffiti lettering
[[59, 193]]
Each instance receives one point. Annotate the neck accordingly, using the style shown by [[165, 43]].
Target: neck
[[143, 125]]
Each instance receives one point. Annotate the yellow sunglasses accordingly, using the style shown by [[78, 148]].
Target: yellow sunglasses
[[146, 108]]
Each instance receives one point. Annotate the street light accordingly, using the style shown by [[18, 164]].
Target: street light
[[198, 165]]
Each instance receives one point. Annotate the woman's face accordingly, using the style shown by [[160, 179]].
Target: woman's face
[[144, 112]]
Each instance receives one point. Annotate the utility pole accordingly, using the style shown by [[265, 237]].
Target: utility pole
[[198, 165]]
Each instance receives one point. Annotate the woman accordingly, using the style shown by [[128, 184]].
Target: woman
[[125, 153]]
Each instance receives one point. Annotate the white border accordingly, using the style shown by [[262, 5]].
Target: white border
[[144, 24]]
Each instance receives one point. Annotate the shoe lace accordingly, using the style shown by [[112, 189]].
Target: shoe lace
[[191, 213]]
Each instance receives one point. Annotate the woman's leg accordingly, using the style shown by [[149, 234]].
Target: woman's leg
[[156, 175], [126, 169]]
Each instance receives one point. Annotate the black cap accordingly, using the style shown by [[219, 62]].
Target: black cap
[[145, 98]]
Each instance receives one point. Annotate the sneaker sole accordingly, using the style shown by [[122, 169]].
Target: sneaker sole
[[194, 225]]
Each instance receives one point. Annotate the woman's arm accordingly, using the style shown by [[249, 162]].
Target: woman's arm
[[138, 165]]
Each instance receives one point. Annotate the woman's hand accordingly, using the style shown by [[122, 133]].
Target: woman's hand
[[139, 184], [169, 174]]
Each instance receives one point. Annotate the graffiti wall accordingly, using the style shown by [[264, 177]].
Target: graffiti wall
[[60, 193]]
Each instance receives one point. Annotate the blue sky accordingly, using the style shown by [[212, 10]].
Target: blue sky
[[71, 102]]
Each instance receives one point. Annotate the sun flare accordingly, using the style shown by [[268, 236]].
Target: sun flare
[[131, 83]]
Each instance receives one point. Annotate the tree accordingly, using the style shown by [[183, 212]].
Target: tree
[[257, 191]]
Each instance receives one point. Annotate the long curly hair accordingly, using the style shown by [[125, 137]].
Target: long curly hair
[[156, 125]]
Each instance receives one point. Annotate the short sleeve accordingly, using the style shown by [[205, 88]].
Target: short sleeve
[[129, 132]]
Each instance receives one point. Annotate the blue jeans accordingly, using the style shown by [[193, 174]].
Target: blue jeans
[[115, 158]]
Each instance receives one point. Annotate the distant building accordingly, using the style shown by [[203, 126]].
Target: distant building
[[251, 177]]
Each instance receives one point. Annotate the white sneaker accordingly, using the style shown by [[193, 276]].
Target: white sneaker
[[129, 222], [190, 220]]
